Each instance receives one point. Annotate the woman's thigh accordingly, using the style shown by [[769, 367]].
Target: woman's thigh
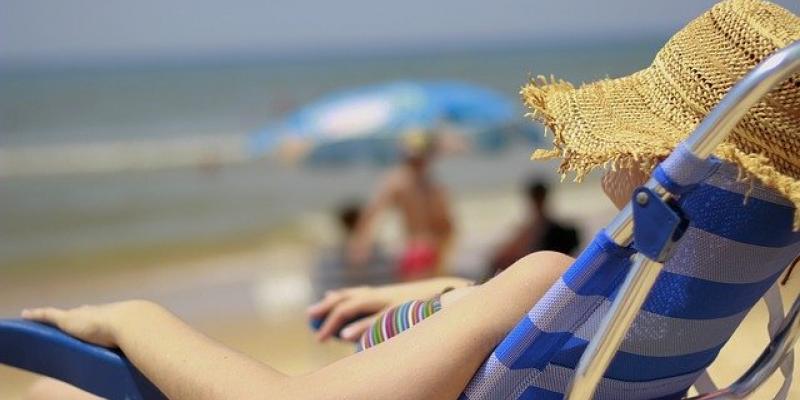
[[50, 389]]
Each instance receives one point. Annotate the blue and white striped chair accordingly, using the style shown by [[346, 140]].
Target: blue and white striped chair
[[626, 321], [696, 250], [730, 254]]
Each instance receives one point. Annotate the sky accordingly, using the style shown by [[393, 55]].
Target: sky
[[41, 32]]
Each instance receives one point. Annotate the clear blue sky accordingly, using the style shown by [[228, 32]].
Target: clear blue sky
[[85, 31]]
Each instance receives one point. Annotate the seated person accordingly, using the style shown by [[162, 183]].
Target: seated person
[[334, 268], [631, 122]]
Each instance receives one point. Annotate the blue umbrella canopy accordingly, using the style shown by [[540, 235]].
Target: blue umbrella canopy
[[365, 123]]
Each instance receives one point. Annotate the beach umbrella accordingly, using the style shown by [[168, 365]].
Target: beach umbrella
[[366, 123]]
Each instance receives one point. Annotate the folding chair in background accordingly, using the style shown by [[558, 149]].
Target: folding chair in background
[[640, 314]]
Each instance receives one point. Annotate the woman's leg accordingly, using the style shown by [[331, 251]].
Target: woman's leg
[[51, 389], [436, 359]]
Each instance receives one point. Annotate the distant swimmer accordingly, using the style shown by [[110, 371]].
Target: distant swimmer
[[423, 204]]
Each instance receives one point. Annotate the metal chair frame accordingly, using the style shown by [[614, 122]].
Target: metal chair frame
[[712, 131]]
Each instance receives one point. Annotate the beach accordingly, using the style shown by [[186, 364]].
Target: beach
[[104, 165], [135, 181], [253, 298]]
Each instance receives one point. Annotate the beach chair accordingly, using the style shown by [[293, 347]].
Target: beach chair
[[641, 313]]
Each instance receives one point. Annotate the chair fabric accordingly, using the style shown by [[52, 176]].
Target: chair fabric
[[738, 243]]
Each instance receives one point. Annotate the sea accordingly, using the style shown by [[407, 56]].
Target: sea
[[91, 155]]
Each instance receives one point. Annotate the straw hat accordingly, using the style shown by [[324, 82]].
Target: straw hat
[[639, 119]]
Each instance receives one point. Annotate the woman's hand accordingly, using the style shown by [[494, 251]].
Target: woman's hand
[[93, 324], [343, 305]]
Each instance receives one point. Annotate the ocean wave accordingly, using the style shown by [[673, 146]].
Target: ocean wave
[[207, 151]]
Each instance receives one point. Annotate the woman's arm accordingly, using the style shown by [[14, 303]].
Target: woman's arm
[[179, 360], [338, 307], [438, 356]]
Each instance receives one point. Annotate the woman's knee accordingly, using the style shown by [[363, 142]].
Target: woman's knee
[[528, 279], [550, 263]]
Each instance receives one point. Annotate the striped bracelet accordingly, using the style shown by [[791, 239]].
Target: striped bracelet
[[398, 319]]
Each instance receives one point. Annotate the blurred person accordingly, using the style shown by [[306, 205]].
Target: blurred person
[[539, 231], [438, 357], [335, 270], [423, 205], [359, 314]]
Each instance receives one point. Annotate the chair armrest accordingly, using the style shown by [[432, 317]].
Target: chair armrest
[[46, 350]]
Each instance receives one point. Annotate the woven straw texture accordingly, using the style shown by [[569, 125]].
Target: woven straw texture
[[637, 120]]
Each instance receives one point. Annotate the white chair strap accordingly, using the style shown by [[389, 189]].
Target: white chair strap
[[704, 383], [774, 301]]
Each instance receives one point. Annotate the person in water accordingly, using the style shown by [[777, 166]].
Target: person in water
[[438, 356], [422, 204]]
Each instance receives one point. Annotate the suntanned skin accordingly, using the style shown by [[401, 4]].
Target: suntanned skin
[[422, 203], [439, 355]]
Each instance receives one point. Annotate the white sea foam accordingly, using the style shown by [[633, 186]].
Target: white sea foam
[[134, 155]]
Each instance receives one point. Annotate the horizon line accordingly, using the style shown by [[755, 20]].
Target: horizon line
[[159, 60]]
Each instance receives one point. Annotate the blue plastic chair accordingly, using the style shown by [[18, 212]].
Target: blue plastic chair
[[640, 314], [48, 351]]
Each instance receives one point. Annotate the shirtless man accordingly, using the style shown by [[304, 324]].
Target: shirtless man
[[424, 207]]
